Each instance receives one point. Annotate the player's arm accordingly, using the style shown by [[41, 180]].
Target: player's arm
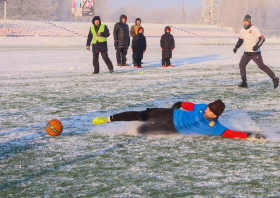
[[259, 43], [106, 32], [89, 39], [238, 44], [241, 135], [185, 105]]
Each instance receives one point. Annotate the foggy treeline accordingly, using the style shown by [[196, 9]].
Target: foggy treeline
[[265, 13]]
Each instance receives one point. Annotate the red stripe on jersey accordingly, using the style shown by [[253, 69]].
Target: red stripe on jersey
[[187, 106], [234, 134], [260, 36]]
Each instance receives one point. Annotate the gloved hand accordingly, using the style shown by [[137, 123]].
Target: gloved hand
[[99, 34], [172, 49], [162, 48], [144, 51], [132, 49], [116, 44], [88, 48], [255, 48], [235, 50], [256, 136]]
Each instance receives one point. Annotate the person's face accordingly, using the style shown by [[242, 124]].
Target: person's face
[[96, 22], [168, 31], [138, 22], [246, 22], [123, 20], [209, 113]]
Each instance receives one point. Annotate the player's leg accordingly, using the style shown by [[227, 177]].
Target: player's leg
[[107, 61], [259, 61], [163, 62], [118, 56], [168, 63], [124, 53], [95, 62], [242, 66]]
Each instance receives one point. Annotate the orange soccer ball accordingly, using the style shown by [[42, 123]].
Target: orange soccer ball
[[54, 127]]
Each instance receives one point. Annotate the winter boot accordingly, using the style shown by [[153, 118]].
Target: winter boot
[[125, 64], [100, 120], [119, 64], [95, 72], [275, 82], [111, 71], [164, 66], [170, 66], [243, 85]]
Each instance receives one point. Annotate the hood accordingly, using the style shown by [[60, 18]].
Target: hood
[[139, 20], [139, 29], [122, 16], [166, 28], [96, 18]]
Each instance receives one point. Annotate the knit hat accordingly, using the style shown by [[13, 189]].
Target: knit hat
[[217, 107], [247, 18], [141, 29]]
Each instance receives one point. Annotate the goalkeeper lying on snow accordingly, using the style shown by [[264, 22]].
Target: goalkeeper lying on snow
[[199, 119]]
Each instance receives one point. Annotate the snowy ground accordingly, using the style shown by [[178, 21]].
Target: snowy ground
[[40, 82]]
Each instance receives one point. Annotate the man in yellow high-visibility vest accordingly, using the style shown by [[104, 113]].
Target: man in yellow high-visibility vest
[[97, 35]]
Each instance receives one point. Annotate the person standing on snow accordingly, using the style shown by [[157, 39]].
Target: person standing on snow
[[138, 46], [253, 40], [98, 34], [134, 31], [167, 45], [122, 40], [199, 119]]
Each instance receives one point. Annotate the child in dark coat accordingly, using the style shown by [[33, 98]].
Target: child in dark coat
[[167, 44], [138, 47]]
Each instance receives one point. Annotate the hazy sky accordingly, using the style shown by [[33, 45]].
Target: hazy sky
[[152, 4]]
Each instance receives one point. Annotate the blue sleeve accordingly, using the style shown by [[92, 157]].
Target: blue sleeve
[[200, 107], [220, 129]]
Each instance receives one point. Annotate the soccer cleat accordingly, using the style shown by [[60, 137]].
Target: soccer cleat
[[243, 85], [275, 82], [100, 120], [139, 66], [164, 66], [170, 66], [135, 66], [95, 72]]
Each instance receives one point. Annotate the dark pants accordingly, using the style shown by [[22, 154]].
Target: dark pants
[[137, 60], [105, 58], [158, 120], [121, 55], [258, 60], [167, 61]]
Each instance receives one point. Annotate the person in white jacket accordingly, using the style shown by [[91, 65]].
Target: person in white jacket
[[253, 40]]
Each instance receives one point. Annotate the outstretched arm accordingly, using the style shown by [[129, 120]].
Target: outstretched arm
[[185, 105], [241, 135]]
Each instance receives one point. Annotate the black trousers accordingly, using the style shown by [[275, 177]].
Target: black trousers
[[121, 55], [137, 60], [258, 60], [105, 58], [158, 120], [167, 61]]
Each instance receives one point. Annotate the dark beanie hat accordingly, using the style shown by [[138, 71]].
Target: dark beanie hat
[[217, 107]]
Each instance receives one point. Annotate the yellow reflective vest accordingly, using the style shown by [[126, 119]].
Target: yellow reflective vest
[[96, 38]]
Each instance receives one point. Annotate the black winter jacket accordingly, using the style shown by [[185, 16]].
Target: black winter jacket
[[167, 43], [121, 34], [101, 47], [139, 45]]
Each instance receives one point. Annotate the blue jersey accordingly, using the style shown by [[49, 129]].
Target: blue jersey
[[194, 122]]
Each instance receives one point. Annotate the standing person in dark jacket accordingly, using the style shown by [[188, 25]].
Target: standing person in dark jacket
[[122, 40], [98, 34], [133, 32], [138, 46], [167, 44], [253, 40]]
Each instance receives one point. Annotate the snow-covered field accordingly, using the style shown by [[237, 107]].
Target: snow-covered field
[[45, 78]]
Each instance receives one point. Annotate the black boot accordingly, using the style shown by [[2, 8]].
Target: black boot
[[120, 64], [125, 64], [243, 84], [95, 72], [111, 71], [275, 82]]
